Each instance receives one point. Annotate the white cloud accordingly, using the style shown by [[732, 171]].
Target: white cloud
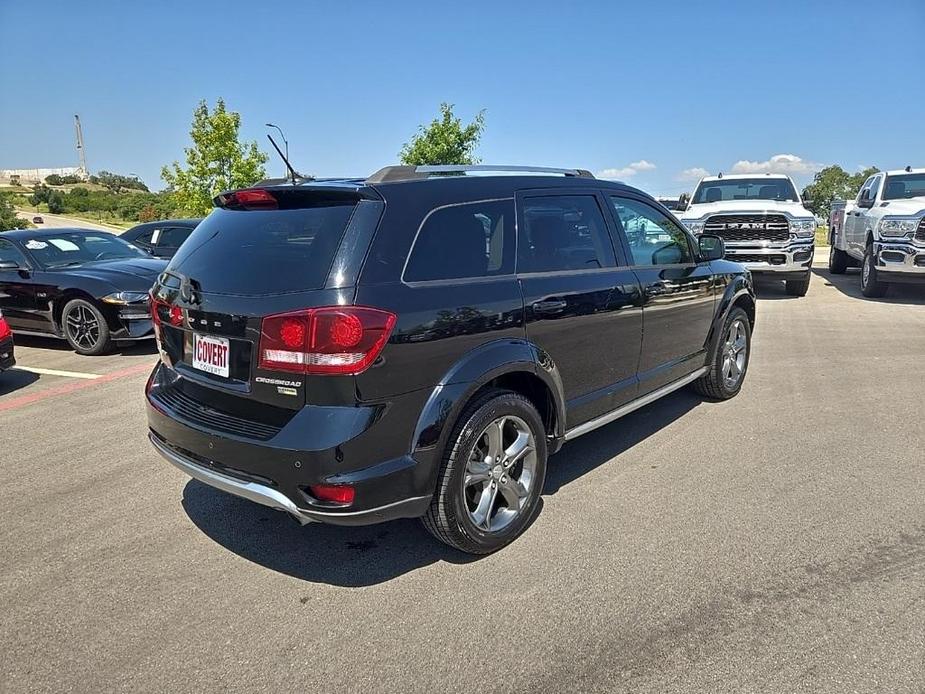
[[694, 173], [627, 171], [779, 163]]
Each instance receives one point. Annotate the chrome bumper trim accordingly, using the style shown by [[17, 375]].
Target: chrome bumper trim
[[910, 252], [788, 249]]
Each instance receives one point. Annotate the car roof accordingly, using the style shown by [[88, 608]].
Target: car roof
[[20, 234], [735, 177], [185, 222], [900, 172]]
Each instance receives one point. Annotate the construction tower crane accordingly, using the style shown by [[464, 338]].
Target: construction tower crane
[[80, 147]]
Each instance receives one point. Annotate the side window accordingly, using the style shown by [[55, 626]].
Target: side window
[[172, 237], [654, 239], [9, 252], [864, 193], [472, 240], [874, 187], [145, 239], [564, 232]]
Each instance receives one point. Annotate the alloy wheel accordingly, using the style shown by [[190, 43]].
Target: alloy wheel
[[83, 327], [735, 354], [500, 473]]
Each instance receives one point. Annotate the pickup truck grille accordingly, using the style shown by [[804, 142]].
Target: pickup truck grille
[[748, 227], [920, 232], [775, 259]]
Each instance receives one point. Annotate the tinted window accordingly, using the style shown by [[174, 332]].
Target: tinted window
[[462, 241], [905, 186], [9, 252], [654, 239], [264, 251], [172, 237], [874, 187], [67, 249], [145, 238], [745, 189], [564, 232]]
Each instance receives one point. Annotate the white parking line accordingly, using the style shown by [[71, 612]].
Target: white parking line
[[55, 372]]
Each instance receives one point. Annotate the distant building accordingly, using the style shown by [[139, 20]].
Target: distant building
[[28, 177]]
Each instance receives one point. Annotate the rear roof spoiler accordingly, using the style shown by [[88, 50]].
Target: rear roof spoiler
[[391, 174]]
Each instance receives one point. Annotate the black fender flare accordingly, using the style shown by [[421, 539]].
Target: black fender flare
[[740, 286], [470, 374]]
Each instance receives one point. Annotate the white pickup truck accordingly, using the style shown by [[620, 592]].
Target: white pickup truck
[[763, 222], [884, 232]]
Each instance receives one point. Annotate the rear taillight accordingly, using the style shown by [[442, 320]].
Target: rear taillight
[[5, 330], [249, 199], [162, 312], [332, 340]]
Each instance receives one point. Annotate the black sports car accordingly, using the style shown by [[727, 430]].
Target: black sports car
[[161, 239], [87, 287]]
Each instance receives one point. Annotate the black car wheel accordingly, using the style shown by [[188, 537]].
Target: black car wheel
[[799, 287], [871, 286], [85, 328], [727, 370], [492, 475], [838, 261]]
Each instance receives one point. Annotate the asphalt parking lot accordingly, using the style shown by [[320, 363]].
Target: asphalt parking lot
[[772, 543]]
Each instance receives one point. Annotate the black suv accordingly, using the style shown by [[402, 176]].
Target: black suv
[[416, 344]]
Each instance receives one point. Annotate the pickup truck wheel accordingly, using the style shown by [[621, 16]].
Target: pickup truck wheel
[[85, 328], [799, 287], [838, 261], [870, 285], [730, 361], [492, 475]]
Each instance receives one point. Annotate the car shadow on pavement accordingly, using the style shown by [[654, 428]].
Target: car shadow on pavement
[[368, 555], [15, 379], [849, 284], [127, 348], [771, 290]]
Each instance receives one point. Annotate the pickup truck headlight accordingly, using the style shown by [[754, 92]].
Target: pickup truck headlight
[[693, 227], [803, 228], [123, 298], [897, 227]]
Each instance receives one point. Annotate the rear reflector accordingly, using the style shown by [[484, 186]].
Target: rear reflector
[[334, 493], [341, 340]]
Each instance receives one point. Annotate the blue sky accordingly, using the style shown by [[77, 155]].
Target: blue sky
[[642, 91]]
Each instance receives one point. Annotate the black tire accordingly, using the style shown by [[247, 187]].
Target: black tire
[[714, 384], [838, 261], [77, 323], [871, 286], [448, 518], [799, 287]]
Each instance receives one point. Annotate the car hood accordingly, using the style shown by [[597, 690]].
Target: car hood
[[912, 207], [129, 273], [794, 209]]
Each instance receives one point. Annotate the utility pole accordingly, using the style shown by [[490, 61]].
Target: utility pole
[[80, 147]]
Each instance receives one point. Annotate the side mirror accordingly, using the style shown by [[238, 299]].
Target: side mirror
[[866, 203], [9, 265], [711, 247], [809, 204]]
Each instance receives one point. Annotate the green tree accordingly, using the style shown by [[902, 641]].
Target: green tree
[[55, 202], [445, 141], [834, 183], [217, 160], [8, 218]]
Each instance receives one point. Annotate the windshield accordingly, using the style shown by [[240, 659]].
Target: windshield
[[255, 252], [904, 186], [745, 189], [77, 248]]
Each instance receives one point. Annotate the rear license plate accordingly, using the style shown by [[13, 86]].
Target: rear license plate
[[210, 354]]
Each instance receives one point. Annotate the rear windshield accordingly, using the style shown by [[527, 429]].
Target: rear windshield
[[745, 189], [264, 251]]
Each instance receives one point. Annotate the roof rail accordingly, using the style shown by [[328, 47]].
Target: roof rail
[[410, 173]]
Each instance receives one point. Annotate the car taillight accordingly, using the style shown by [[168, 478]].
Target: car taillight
[[331, 340], [162, 311], [249, 199], [5, 330]]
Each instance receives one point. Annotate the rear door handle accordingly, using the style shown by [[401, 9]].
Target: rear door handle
[[550, 306]]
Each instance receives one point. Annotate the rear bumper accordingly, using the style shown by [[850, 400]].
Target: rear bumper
[[786, 260], [7, 359], [364, 447], [900, 261]]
